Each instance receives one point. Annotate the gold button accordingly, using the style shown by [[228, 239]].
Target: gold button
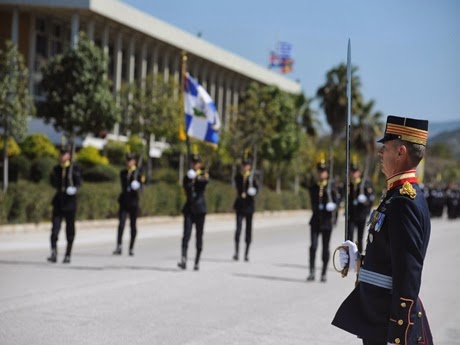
[[403, 305], [400, 322], [419, 339], [419, 314], [397, 341]]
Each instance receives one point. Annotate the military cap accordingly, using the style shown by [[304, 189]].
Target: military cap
[[407, 129], [246, 161], [64, 150], [130, 156], [195, 158]]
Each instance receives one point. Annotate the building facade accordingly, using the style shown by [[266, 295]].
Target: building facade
[[137, 44]]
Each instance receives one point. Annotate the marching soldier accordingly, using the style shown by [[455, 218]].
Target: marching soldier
[[323, 203], [194, 210], [385, 306], [246, 188], [65, 177], [361, 198], [131, 182], [453, 201], [436, 200]]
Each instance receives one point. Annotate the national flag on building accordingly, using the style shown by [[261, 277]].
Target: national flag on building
[[201, 117], [281, 58]]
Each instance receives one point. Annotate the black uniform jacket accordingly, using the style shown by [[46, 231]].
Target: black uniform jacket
[[360, 211], [244, 203], [194, 190], [396, 248], [129, 199], [60, 180], [322, 219]]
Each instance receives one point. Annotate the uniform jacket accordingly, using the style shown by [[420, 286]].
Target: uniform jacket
[[360, 211], [60, 180], [129, 199], [244, 203], [396, 248], [321, 220], [194, 190]]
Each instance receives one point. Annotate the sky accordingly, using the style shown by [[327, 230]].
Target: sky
[[407, 52]]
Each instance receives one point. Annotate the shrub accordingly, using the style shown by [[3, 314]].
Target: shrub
[[18, 167], [12, 148], [91, 156], [166, 175], [116, 152], [100, 173], [41, 168], [98, 201], [39, 145]]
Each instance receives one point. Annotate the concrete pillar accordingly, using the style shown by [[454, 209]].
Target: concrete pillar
[[15, 26], [212, 82], [131, 59], [118, 54], [90, 27], [195, 71], [176, 66], [204, 72], [105, 39], [166, 65], [236, 93], [143, 63], [74, 29], [220, 93], [31, 55], [154, 60], [226, 115]]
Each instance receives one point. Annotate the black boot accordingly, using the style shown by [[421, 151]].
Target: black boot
[[117, 250], [197, 261], [237, 249], [182, 263], [53, 257], [131, 247], [246, 253], [323, 275], [66, 259], [311, 276]]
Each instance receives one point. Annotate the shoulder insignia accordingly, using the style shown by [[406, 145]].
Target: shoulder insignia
[[408, 190]]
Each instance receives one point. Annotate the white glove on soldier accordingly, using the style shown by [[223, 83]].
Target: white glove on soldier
[[252, 191], [331, 206], [71, 190], [350, 256], [135, 185], [191, 174]]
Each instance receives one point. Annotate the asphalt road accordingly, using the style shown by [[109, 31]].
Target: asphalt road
[[145, 299]]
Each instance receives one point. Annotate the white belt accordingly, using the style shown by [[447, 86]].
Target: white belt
[[376, 279]]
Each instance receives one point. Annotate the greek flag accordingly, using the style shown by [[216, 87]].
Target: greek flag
[[201, 117]]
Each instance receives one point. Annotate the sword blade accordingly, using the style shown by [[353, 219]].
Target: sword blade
[[347, 167]]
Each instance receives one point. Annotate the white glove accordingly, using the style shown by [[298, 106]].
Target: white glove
[[191, 174], [252, 191], [135, 185], [349, 257], [71, 190], [362, 198], [331, 206]]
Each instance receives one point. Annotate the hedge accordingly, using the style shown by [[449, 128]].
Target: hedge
[[28, 202]]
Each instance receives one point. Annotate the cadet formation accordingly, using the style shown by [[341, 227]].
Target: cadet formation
[[385, 246]]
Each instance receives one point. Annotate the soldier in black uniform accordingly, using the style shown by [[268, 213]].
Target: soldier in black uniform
[[246, 187], [323, 203], [385, 308], [436, 200], [131, 183], [66, 178], [361, 198], [453, 201], [194, 210]]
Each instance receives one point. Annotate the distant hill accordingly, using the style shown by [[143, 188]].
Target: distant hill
[[448, 137], [436, 128]]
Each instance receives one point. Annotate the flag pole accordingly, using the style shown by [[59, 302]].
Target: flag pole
[[182, 130]]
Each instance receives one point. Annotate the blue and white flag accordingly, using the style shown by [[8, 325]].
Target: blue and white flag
[[201, 117]]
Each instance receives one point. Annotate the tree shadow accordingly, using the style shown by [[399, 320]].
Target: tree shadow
[[271, 278]]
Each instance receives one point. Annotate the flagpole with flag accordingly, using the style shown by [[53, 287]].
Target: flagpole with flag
[[183, 136]]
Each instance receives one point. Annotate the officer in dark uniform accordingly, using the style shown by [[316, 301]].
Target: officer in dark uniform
[[194, 210], [436, 200], [66, 178], [246, 188], [323, 203], [131, 183], [453, 201], [361, 198], [385, 306]]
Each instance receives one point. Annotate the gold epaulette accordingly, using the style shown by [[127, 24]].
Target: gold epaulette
[[408, 190]]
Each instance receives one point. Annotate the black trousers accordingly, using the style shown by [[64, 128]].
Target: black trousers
[[374, 342], [122, 215], [189, 220], [239, 226], [326, 237], [56, 221], [357, 226]]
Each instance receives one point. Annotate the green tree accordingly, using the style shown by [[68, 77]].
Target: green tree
[[333, 98], [16, 103], [78, 99], [151, 108]]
